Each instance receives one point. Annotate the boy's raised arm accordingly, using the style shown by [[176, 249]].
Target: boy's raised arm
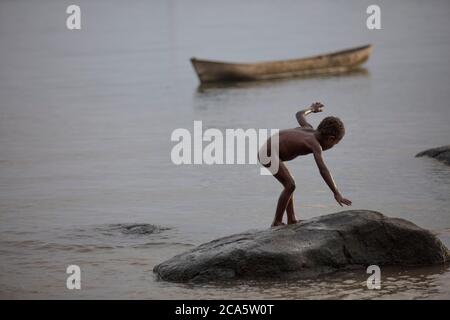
[[326, 175], [301, 115]]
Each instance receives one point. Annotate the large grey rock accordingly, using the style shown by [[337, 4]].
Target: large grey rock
[[346, 239], [441, 154]]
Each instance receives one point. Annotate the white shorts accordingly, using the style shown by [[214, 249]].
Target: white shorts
[[272, 162]]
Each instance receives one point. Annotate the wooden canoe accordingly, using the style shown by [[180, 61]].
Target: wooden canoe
[[331, 63]]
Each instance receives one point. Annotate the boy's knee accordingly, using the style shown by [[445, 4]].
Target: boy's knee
[[290, 186]]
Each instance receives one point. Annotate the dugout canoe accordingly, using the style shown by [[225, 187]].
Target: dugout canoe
[[330, 63]]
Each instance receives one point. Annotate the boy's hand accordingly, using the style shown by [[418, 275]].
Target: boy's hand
[[341, 200], [316, 107]]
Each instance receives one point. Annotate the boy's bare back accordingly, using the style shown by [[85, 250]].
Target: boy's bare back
[[296, 142]]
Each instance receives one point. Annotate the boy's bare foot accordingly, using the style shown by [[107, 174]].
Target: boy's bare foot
[[277, 223]]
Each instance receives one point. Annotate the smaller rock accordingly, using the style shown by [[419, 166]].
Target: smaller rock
[[132, 228], [442, 154]]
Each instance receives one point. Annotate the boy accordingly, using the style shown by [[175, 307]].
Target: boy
[[301, 141]]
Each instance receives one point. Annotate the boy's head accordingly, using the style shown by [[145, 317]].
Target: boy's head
[[331, 131]]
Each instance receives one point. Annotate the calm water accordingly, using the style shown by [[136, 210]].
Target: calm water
[[86, 118]]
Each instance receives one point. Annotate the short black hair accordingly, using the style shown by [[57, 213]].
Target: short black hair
[[332, 126]]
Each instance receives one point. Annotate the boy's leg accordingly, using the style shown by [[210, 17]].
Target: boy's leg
[[284, 176], [290, 211]]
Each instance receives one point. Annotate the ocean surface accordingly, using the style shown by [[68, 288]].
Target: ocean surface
[[86, 118]]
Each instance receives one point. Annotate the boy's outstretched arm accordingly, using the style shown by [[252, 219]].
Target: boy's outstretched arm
[[326, 175], [301, 115]]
